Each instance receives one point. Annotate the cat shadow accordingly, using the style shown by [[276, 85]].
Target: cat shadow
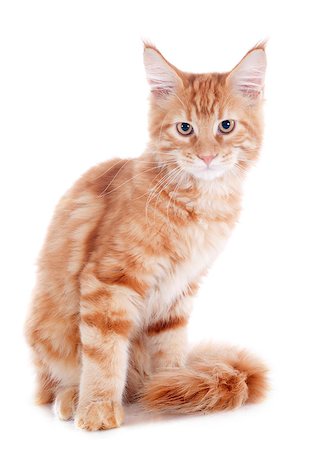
[[135, 414]]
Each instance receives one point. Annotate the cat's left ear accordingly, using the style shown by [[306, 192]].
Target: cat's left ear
[[163, 77], [247, 78]]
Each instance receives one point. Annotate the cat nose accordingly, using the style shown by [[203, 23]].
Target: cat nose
[[206, 158]]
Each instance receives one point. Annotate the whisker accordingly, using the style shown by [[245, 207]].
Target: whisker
[[113, 165], [115, 176], [147, 192], [169, 181], [163, 182], [169, 161], [172, 195], [104, 193]]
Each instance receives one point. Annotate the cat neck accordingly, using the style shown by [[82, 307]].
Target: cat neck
[[191, 194]]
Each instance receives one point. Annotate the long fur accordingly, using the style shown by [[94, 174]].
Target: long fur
[[126, 251], [212, 379]]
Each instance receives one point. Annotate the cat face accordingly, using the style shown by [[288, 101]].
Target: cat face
[[206, 124]]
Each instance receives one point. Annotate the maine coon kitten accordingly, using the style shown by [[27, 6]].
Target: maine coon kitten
[[127, 247]]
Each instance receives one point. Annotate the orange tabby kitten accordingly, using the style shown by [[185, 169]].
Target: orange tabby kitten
[[127, 247]]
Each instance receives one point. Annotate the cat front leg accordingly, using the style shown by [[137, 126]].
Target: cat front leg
[[108, 316], [167, 337]]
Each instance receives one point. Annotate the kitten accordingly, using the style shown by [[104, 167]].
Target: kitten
[[127, 247]]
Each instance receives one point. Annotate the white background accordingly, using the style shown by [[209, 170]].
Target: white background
[[73, 93]]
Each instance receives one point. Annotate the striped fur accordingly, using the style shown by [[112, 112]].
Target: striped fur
[[127, 247]]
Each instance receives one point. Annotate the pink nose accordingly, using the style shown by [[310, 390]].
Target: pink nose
[[206, 158]]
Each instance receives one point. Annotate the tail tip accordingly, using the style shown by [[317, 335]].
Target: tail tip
[[256, 377]]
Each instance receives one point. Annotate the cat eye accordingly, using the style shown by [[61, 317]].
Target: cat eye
[[226, 126], [184, 128]]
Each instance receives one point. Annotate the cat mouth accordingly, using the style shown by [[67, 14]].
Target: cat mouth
[[211, 168]]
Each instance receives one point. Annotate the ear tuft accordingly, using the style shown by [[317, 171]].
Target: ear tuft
[[248, 76], [162, 76]]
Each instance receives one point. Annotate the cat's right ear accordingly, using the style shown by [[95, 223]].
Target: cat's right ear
[[164, 79]]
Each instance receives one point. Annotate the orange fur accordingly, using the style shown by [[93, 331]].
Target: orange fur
[[127, 247], [212, 379]]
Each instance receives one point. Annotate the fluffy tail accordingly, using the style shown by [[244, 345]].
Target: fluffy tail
[[212, 379]]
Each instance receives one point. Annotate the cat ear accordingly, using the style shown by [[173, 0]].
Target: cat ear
[[248, 76], [162, 76]]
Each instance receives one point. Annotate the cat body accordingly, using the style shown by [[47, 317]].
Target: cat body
[[126, 250]]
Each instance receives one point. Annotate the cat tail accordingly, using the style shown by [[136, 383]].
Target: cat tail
[[212, 379]]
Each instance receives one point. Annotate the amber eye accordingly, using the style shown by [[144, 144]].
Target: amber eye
[[184, 128], [226, 126]]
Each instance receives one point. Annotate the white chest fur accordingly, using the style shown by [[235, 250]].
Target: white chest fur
[[202, 244]]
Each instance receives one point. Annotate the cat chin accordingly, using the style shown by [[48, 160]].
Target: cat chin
[[207, 174]]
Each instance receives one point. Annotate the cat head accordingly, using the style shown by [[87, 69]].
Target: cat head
[[207, 124]]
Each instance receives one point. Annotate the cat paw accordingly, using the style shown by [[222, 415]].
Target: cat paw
[[99, 415], [65, 403]]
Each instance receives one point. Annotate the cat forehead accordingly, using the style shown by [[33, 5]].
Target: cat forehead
[[206, 93]]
